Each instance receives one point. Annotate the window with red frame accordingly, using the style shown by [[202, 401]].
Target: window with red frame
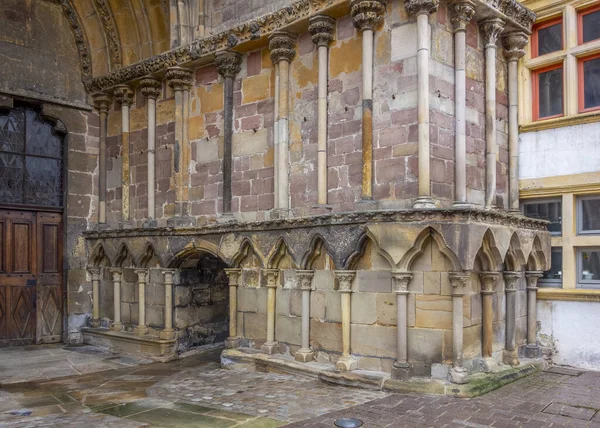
[[547, 37], [588, 24], [589, 83], [548, 92]]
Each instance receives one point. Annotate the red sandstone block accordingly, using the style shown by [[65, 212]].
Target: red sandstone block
[[351, 97], [251, 123], [205, 207], [245, 110], [406, 189], [265, 202], [387, 170], [305, 44], [442, 190], [382, 153], [345, 28], [240, 188], [206, 75], [382, 191], [335, 85], [249, 203], [352, 158]]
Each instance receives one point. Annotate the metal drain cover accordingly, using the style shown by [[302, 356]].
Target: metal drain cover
[[560, 409], [348, 423]]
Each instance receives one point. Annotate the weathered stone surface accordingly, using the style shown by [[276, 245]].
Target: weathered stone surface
[[373, 340], [363, 308], [374, 281], [433, 311]]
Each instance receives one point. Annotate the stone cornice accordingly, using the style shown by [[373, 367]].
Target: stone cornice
[[458, 215]]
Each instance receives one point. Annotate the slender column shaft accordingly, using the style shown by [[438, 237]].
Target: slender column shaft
[[511, 283], [276, 140], [271, 346], [234, 281], [459, 280], [117, 325], [284, 134], [185, 152], [152, 89], [346, 362], [177, 155], [305, 354], [95, 274], [532, 349], [168, 332], [124, 95], [227, 155], [423, 104], [402, 369], [141, 328], [322, 136], [489, 281], [367, 114], [102, 103], [306, 319], [345, 301]]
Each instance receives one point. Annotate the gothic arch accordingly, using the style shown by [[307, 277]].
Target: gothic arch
[[418, 247], [247, 255], [318, 256], [489, 255], [149, 258], [514, 258], [98, 257], [194, 249], [124, 257], [537, 259], [359, 258], [281, 256]]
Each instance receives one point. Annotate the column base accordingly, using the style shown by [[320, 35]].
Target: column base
[[116, 326], [95, 323], [232, 342], [465, 205], [305, 355], [401, 371], [532, 351], [489, 365], [366, 205], [458, 375], [141, 330], [511, 358], [424, 202], [270, 348], [346, 363], [167, 334]]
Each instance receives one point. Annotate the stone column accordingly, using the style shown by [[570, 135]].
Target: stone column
[[168, 332], [459, 280], [514, 44], [402, 370], [228, 66], [124, 96], [151, 88], [141, 328], [282, 46], [366, 15], [102, 104], [345, 277], [511, 281], [489, 281], [462, 12], [532, 349], [305, 353], [180, 79], [95, 274], [422, 9], [234, 275], [271, 346], [321, 28], [491, 30], [117, 274]]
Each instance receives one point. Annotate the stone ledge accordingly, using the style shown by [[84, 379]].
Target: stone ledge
[[479, 384], [161, 350]]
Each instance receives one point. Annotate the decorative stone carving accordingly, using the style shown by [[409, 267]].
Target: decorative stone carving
[[514, 44], [491, 29], [272, 276], [321, 28], [95, 273], [124, 95], [234, 275], [282, 46], [179, 78], [511, 280], [305, 278], [81, 42], [532, 279], [418, 7], [367, 14], [228, 63], [110, 33], [462, 12], [515, 11], [345, 278], [102, 102], [489, 281], [459, 282], [401, 281], [150, 87]]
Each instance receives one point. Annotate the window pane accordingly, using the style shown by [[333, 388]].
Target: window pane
[[40, 139], [550, 39], [590, 214], [12, 131], [550, 93], [11, 178], [551, 211], [591, 26], [590, 265], [555, 272], [591, 79], [43, 184]]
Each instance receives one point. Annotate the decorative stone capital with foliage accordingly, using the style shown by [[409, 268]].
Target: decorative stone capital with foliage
[[102, 102], [514, 45], [228, 63], [491, 30], [401, 281], [141, 274], [489, 280], [95, 273], [168, 274], [150, 87], [367, 14], [532, 279], [117, 274], [321, 28], [234, 275], [282, 45], [179, 78], [124, 95], [511, 280], [345, 278], [305, 278], [272, 275], [462, 12], [459, 282], [419, 7]]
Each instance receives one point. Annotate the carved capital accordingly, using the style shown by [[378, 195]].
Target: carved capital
[[462, 12], [179, 78], [321, 28], [117, 274], [491, 30], [459, 281], [514, 45], [532, 279], [345, 278], [95, 273], [511, 280], [102, 102], [305, 278], [401, 281], [150, 87], [228, 63], [282, 46], [419, 7], [489, 280], [124, 95], [168, 274], [272, 276], [141, 274], [367, 14], [234, 275]]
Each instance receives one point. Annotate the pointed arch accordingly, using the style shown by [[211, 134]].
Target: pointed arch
[[124, 257], [318, 256], [537, 259], [149, 258], [489, 255], [194, 251], [418, 247], [362, 257], [281, 256], [514, 259], [247, 256], [98, 257]]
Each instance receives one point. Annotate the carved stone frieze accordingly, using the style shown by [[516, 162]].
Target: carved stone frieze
[[282, 45], [179, 78], [462, 12], [81, 42], [367, 14], [491, 30], [124, 95], [110, 32], [102, 102], [515, 11], [228, 63], [514, 44], [417, 7], [151, 87], [321, 28]]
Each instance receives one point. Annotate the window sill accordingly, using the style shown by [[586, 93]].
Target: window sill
[[569, 295], [559, 122]]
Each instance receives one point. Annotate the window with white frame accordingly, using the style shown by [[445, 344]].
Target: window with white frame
[[545, 209], [588, 215], [553, 277], [588, 268]]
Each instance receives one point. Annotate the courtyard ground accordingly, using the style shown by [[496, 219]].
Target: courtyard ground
[[83, 386]]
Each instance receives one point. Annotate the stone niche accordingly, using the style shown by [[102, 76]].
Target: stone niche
[[201, 303]]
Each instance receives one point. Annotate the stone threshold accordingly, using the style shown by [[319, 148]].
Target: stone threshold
[[479, 383]]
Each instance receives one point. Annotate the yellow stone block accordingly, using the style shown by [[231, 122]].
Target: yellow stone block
[[114, 123], [305, 72], [265, 59], [256, 88], [345, 57], [196, 127], [433, 311], [269, 157], [165, 112], [383, 48], [138, 118], [211, 97]]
